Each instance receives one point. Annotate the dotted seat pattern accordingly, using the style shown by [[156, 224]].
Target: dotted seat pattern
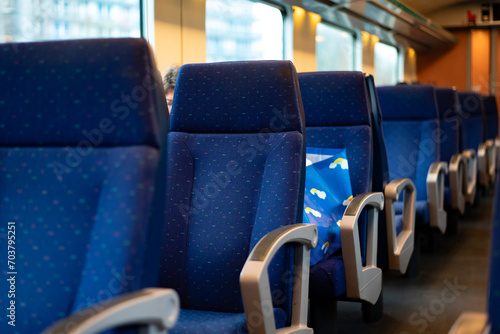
[[411, 124], [235, 173], [79, 150]]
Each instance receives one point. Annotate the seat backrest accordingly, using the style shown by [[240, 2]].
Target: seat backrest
[[410, 124], [471, 111], [491, 116], [79, 152], [337, 115], [450, 124], [381, 175], [235, 173]]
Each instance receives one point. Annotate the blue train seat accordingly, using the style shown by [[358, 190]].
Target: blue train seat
[[474, 134], [411, 125], [235, 174], [457, 185], [80, 151], [337, 115], [398, 249]]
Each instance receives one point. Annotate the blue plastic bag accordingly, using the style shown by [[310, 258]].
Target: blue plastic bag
[[327, 194]]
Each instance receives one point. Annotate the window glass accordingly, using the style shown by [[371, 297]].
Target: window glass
[[39, 20], [243, 30], [334, 49], [386, 64]]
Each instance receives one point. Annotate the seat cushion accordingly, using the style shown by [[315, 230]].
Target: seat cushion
[[328, 277], [219, 208], [206, 322], [421, 211]]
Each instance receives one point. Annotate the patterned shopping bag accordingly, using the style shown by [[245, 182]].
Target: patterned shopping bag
[[327, 194]]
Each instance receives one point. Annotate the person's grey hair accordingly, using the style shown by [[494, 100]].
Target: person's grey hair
[[170, 77]]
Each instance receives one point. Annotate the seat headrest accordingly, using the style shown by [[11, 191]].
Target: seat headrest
[[447, 101], [490, 105], [237, 97], [63, 92], [470, 104], [334, 98], [408, 102]]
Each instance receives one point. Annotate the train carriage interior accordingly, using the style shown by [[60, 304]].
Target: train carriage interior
[[249, 166]]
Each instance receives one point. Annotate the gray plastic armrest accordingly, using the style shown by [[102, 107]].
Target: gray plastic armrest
[[158, 309], [400, 247], [491, 158], [254, 279], [458, 182], [471, 174], [471, 322], [362, 282], [482, 164], [435, 194], [497, 146]]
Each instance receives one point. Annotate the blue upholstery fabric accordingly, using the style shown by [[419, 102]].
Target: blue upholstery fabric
[[491, 114], [407, 102], [230, 200], [237, 101], [411, 151], [338, 116], [421, 211], [450, 126], [411, 136], [47, 85], [327, 278], [342, 101], [471, 111], [78, 172], [494, 279], [236, 154]]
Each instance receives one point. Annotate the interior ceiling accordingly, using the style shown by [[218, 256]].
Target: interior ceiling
[[428, 6]]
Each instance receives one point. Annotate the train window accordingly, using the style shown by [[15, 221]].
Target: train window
[[334, 48], [386, 64], [39, 20], [243, 30]]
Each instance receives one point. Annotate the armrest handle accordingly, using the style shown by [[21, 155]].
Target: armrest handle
[[458, 182], [482, 164], [471, 174], [158, 309], [400, 247], [362, 282], [435, 194], [254, 279], [491, 156], [471, 322]]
